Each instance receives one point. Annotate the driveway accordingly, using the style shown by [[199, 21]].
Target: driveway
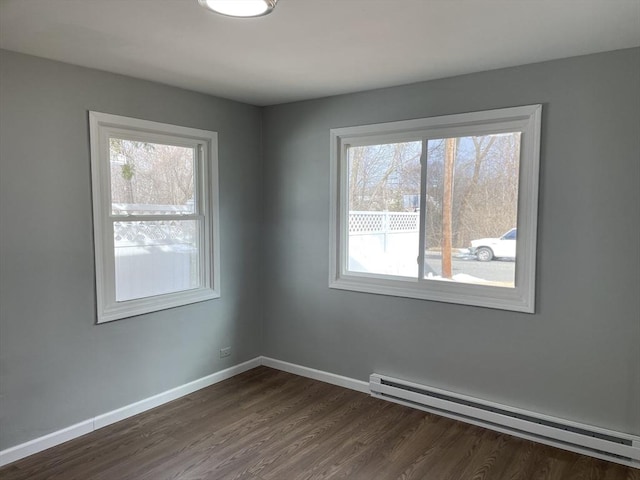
[[502, 270]]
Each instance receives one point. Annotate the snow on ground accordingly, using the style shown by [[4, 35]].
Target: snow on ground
[[458, 277]]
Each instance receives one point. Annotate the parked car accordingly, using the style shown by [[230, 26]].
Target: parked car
[[486, 249]]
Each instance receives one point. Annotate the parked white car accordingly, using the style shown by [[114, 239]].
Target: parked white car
[[486, 249]]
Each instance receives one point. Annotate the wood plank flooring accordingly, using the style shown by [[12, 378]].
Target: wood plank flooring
[[269, 425]]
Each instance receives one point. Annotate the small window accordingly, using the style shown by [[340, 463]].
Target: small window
[[155, 212], [429, 208]]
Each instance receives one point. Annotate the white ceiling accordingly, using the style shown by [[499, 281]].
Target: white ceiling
[[313, 48]]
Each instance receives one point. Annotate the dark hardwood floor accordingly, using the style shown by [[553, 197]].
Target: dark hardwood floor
[[270, 425]]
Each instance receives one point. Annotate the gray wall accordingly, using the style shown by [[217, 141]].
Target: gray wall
[[578, 357], [57, 366]]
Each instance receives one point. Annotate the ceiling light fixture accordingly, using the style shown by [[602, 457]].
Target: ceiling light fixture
[[240, 8]]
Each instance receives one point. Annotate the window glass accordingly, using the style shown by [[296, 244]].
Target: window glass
[[384, 191], [154, 258], [151, 178], [472, 199]]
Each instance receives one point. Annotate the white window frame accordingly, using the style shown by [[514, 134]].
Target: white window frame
[[103, 126], [524, 119]]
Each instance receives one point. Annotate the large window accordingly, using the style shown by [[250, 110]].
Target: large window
[[440, 208], [155, 196]]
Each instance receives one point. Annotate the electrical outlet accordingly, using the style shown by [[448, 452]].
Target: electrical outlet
[[225, 352]]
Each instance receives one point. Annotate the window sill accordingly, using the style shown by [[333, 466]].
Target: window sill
[[131, 308], [513, 299]]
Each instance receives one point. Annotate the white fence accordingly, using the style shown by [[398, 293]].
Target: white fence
[[361, 222], [384, 242], [153, 257], [160, 256]]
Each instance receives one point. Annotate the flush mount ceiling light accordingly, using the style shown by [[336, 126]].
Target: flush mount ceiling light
[[240, 8]]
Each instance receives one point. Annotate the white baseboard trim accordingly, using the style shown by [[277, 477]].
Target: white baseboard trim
[[36, 445], [173, 394], [39, 444], [320, 375]]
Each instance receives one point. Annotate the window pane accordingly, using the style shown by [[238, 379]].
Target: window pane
[[151, 178], [384, 199], [154, 258], [472, 209]]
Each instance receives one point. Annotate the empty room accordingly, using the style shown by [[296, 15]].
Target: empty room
[[319, 239]]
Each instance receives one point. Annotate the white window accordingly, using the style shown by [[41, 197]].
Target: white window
[[155, 208], [441, 208]]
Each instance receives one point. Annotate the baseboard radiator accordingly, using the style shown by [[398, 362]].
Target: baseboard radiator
[[593, 441]]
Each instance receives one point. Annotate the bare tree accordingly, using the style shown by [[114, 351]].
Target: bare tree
[[485, 188], [145, 173], [380, 176], [471, 188], [482, 145]]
